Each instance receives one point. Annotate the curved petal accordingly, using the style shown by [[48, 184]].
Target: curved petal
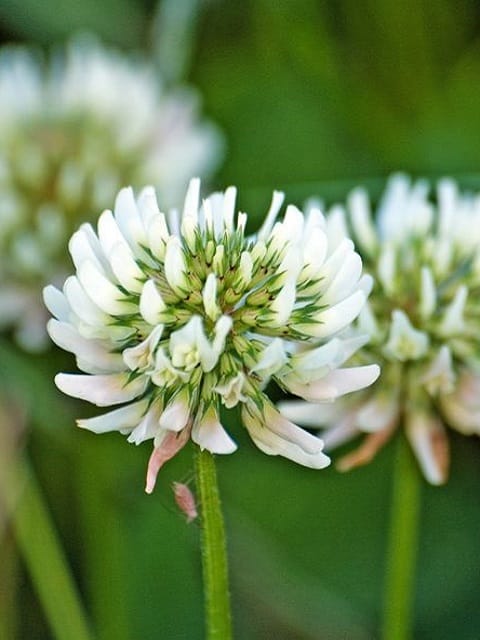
[[102, 390], [125, 418], [336, 383], [209, 434], [92, 355]]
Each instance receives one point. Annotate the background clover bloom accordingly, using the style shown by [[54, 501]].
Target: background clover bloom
[[423, 319], [73, 130], [173, 316]]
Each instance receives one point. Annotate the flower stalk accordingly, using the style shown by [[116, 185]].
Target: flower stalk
[[214, 551], [402, 546]]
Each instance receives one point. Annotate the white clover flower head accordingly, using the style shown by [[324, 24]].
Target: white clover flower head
[[423, 319], [173, 318], [73, 130]]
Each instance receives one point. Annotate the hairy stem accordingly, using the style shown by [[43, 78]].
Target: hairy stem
[[402, 547], [214, 552]]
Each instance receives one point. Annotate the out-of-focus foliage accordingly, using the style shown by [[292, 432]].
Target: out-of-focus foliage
[[312, 97]]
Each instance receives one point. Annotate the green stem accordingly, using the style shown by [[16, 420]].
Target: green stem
[[403, 543], [44, 558], [214, 552]]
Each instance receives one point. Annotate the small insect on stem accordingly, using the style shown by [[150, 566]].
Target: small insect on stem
[[185, 500]]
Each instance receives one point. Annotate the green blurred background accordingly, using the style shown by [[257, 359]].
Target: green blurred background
[[312, 97]]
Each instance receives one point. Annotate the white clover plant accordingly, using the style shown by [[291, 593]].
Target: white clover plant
[[173, 316], [423, 317], [74, 128]]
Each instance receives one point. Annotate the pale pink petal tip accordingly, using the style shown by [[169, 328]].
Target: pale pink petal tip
[[171, 444], [154, 465]]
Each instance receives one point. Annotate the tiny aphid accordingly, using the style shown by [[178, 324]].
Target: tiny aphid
[[185, 500]]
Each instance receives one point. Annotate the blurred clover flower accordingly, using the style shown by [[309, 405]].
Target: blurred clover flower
[[423, 318], [175, 316], [72, 132]]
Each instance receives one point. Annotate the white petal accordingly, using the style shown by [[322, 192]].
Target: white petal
[[92, 355], [102, 292], [151, 303], [209, 296], [272, 359], [345, 281], [209, 434], [314, 252], [405, 342], [313, 363], [278, 424], [336, 318], [175, 267], [282, 305], [118, 420], [84, 245], [147, 205], [336, 226], [223, 327], [440, 376], [453, 321], [267, 226], [101, 390], [334, 262], [293, 223], [128, 219], [158, 235], [141, 356], [149, 426], [381, 412], [125, 268], [387, 267], [428, 293], [272, 444], [109, 233], [337, 383], [56, 303], [361, 219], [311, 415], [192, 200], [231, 390], [176, 415], [82, 305], [228, 211]]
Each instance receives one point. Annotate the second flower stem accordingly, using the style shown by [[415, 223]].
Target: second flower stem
[[402, 546], [214, 552]]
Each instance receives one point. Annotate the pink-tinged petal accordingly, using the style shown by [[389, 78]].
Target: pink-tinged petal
[[102, 390], [366, 451], [169, 447], [337, 383], [124, 419], [429, 441], [185, 500]]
